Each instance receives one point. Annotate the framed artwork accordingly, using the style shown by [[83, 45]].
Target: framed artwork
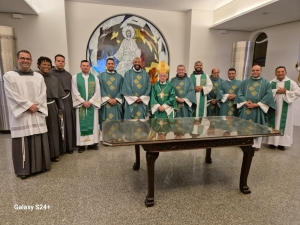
[[124, 37]]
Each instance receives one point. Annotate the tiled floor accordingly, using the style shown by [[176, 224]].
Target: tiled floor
[[100, 187]]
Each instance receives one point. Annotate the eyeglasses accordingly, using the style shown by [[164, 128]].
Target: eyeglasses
[[23, 59]]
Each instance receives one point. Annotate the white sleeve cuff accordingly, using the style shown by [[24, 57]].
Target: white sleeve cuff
[[104, 100], [188, 102], [239, 105], [168, 109], [130, 99], [224, 98], [119, 100], [154, 108], [263, 107], [145, 99]]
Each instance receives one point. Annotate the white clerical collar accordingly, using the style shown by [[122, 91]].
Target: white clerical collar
[[163, 82], [85, 74], [257, 78], [137, 70], [231, 80], [110, 72], [284, 79]]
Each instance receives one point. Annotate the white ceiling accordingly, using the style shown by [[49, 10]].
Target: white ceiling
[[283, 11], [170, 5], [16, 6], [280, 12]]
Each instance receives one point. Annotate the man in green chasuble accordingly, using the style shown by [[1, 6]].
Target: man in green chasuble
[[213, 106], [86, 97], [202, 86], [136, 90], [285, 92], [254, 98], [163, 100], [111, 98], [226, 94], [185, 93]]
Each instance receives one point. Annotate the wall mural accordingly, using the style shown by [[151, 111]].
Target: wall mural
[[125, 37]]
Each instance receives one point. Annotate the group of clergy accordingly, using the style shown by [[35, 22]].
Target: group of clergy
[[53, 112], [42, 118]]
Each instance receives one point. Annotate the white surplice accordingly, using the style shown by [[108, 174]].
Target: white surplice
[[289, 97], [77, 103], [206, 89], [22, 91]]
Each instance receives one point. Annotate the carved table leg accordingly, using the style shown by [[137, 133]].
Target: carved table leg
[[151, 157], [136, 165], [208, 156], [247, 160]]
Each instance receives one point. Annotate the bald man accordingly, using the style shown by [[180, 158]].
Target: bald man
[[136, 90], [254, 99], [213, 106]]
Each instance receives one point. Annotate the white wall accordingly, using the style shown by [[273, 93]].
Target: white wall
[[187, 34], [83, 18], [209, 46], [283, 48], [42, 35]]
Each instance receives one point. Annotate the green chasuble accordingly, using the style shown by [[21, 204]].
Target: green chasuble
[[111, 87], [213, 110], [202, 99], [184, 88], [255, 90], [86, 116], [136, 84], [163, 94], [227, 108]]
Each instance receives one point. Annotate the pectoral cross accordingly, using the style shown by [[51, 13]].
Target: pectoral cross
[[162, 95]]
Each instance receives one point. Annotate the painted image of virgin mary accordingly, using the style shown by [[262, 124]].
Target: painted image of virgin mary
[[128, 50]]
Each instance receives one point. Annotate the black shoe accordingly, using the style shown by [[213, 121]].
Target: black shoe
[[280, 147], [55, 159], [23, 177], [256, 149], [81, 149], [70, 152], [272, 146], [95, 147]]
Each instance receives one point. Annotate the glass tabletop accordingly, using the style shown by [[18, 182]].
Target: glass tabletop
[[214, 127]]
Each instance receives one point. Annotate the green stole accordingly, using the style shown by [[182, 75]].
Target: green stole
[[86, 116], [284, 110], [202, 98]]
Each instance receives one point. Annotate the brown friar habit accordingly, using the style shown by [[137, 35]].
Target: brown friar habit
[[65, 79], [55, 106]]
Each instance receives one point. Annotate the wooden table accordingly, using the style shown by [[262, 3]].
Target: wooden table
[[162, 135]]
